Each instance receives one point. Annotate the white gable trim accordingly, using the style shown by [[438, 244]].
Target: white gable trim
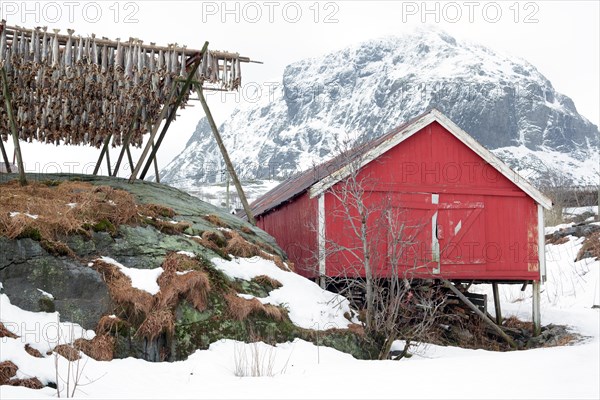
[[461, 135]]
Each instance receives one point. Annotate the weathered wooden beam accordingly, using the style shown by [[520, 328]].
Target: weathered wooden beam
[[156, 173], [5, 157], [62, 40], [13, 126], [536, 313], [184, 90], [497, 307], [477, 311], [225, 154], [101, 156], [129, 158]]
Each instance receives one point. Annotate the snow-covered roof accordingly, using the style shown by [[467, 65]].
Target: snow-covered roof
[[320, 178]]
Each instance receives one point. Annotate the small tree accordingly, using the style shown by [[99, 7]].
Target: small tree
[[396, 306]]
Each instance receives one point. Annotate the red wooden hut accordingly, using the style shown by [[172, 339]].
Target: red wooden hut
[[465, 215]]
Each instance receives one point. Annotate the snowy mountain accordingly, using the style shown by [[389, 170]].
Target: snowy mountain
[[361, 92]]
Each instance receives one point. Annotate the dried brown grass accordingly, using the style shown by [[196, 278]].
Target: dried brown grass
[[590, 248], [158, 321], [516, 323], [240, 247], [266, 280], [215, 238], [33, 352], [67, 351], [31, 383], [247, 230], [215, 220], [8, 369], [193, 285], [109, 325], [565, 340], [557, 240], [100, 348], [134, 302], [94, 205], [168, 227], [156, 211], [240, 308], [6, 333]]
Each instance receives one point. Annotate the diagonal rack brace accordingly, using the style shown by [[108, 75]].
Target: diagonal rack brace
[[225, 154]]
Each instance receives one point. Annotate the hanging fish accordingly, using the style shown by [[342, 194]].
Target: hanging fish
[[79, 52], [182, 71], [94, 58], [119, 57], [104, 66], [44, 56], [69, 49], [55, 49]]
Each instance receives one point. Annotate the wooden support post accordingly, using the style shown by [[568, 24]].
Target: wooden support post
[[108, 161], [497, 303], [156, 174], [536, 314], [230, 169], [477, 311], [104, 150], [13, 127], [184, 90], [5, 157], [129, 158]]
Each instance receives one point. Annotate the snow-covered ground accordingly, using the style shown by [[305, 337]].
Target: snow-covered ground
[[302, 370]]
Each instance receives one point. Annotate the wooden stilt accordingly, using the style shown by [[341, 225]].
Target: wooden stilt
[[108, 161], [13, 127], [497, 303], [477, 311], [230, 169], [129, 158], [536, 314], [156, 174], [174, 108], [101, 156], [5, 157]]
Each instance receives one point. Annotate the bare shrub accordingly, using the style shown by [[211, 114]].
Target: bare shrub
[[251, 361]]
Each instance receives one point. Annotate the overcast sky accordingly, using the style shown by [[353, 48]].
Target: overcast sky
[[560, 38]]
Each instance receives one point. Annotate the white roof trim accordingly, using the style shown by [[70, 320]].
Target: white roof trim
[[465, 138]]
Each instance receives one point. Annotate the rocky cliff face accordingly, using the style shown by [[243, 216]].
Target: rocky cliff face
[[364, 91]]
